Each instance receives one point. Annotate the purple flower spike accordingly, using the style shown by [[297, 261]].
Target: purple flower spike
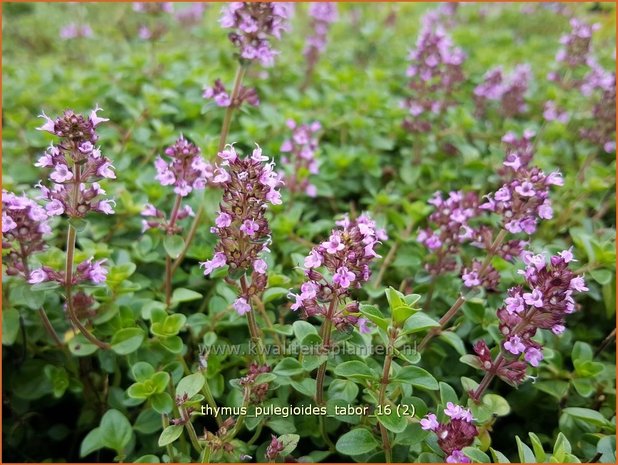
[[346, 262], [255, 23], [249, 185], [453, 436], [75, 161]]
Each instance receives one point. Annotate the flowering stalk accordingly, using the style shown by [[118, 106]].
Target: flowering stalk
[[24, 225], [323, 14], [77, 165], [551, 299], [248, 186], [453, 436]]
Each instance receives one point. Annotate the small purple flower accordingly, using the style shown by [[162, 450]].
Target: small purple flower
[[249, 227], [61, 174], [457, 456], [514, 345], [534, 298], [242, 306], [514, 304], [471, 279], [97, 273], [334, 244], [313, 260], [533, 356], [363, 326], [37, 276], [218, 260], [430, 422], [260, 266], [343, 277], [223, 220], [578, 284]]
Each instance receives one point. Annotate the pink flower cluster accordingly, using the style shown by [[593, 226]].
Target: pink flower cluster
[[74, 31], [191, 15], [222, 98], [435, 72], [576, 44], [508, 90], [255, 23], [156, 219], [88, 270], [542, 303], [302, 147], [346, 257], [24, 223], [453, 436], [519, 151], [451, 219], [249, 185], [524, 199], [602, 130], [186, 169], [153, 7], [77, 164], [323, 14], [472, 276]]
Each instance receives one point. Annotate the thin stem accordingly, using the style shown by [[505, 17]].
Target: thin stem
[[388, 453], [165, 422], [260, 306], [225, 129], [169, 272], [390, 256], [487, 379], [71, 235], [253, 327], [325, 334], [49, 328], [211, 400], [190, 430], [448, 316]]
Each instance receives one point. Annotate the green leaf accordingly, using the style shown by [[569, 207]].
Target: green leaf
[[476, 455], [354, 369], [162, 402], [115, 430], [586, 414], [127, 340], [498, 456], [174, 344], [148, 458], [184, 295], [601, 276], [190, 385], [393, 421], [289, 441], [581, 351], [10, 326], [91, 442], [447, 394], [288, 367], [454, 341], [417, 377], [169, 435], [274, 293], [373, 314], [142, 371], [174, 245], [525, 453], [419, 322], [400, 310], [170, 326], [59, 379], [496, 404], [537, 447], [303, 329], [356, 442]]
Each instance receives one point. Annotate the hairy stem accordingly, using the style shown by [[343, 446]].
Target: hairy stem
[[325, 334], [71, 235], [448, 316], [225, 129], [386, 443], [254, 331], [169, 272], [190, 430]]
